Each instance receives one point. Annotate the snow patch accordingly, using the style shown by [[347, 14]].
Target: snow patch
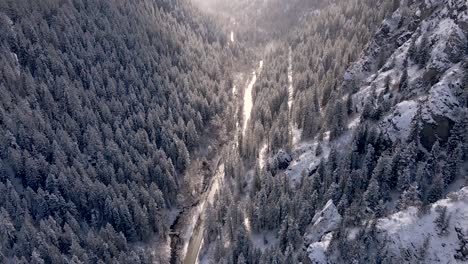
[[317, 250], [354, 122], [262, 155], [397, 124], [264, 240], [442, 98], [406, 229]]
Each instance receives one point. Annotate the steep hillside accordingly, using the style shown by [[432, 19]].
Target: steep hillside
[[407, 93], [416, 65], [102, 104], [384, 134]]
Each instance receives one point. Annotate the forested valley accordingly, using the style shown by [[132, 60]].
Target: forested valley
[[221, 131]]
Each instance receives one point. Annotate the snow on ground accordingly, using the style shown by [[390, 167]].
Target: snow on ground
[[264, 240], [406, 229], [397, 124], [304, 159], [262, 155], [441, 101], [317, 250], [354, 122], [217, 181], [290, 81], [198, 211], [442, 98], [248, 102], [247, 225], [296, 135], [161, 250], [326, 136], [232, 36]]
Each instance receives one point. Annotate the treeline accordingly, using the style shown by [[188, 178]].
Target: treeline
[[101, 105]]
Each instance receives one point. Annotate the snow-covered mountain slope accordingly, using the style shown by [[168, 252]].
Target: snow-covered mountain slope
[[419, 237], [414, 70], [417, 60], [416, 64]]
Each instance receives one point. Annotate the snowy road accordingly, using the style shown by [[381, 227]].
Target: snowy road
[[295, 132], [196, 240], [248, 102]]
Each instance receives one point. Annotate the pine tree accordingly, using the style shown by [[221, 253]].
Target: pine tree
[[338, 121], [436, 189], [349, 105], [453, 165], [372, 196], [294, 236], [404, 180], [319, 149], [387, 84], [241, 259], [422, 55], [410, 197], [442, 220], [412, 49], [404, 80]]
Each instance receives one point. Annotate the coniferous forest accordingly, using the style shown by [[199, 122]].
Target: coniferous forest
[[221, 131], [102, 103]]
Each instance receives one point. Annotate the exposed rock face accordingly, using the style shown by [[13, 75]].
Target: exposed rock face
[[462, 252], [280, 161], [324, 221], [414, 71], [283, 159], [320, 232], [424, 50]]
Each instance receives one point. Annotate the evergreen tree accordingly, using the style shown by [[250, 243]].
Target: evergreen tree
[[373, 195], [404, 79], [410, 197]]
